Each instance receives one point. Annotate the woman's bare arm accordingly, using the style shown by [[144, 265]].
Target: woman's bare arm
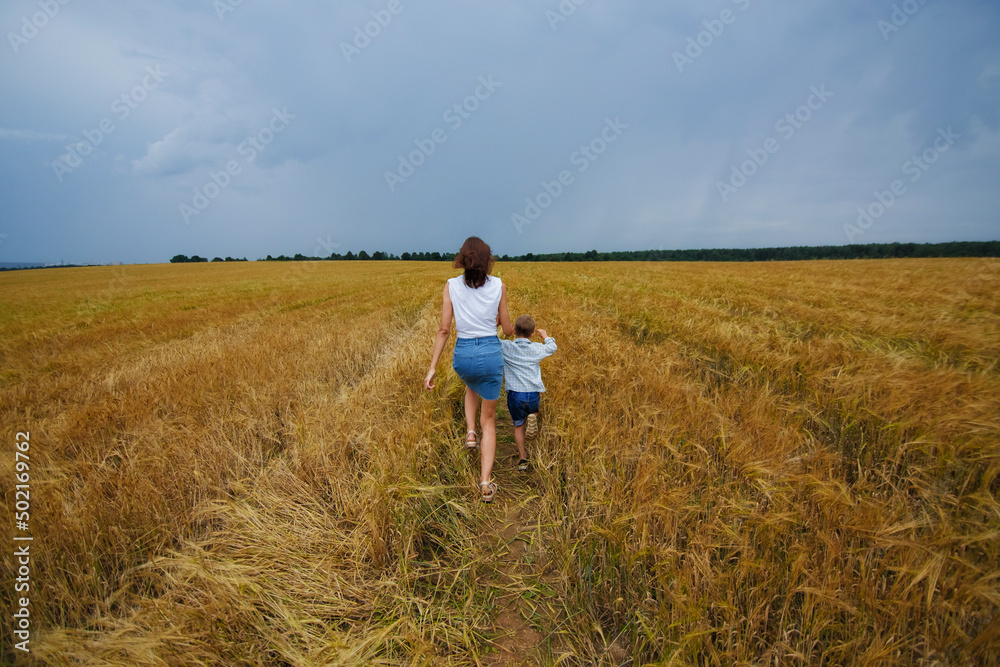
[[444, 330], [504, 314]]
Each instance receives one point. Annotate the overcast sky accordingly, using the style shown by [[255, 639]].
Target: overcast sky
[[131, 132]]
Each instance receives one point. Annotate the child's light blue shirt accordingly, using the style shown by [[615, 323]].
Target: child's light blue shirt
[[520, 363]]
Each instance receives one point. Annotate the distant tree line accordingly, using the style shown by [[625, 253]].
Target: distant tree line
[[363, 255], [853, 251], [183, 259], [795, 253], [25, 267]]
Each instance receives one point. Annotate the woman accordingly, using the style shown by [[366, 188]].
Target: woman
[[478, 301]]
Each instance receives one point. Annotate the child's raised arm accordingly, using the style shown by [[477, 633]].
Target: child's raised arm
[[549, 341]]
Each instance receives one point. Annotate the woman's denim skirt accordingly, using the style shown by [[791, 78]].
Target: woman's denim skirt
[[479, 362]]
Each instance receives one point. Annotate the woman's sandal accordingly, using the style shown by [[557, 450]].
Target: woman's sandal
[[471, 441], [489, 491], [522, 465]]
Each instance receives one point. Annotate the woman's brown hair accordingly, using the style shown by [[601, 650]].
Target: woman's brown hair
[[477, 260]]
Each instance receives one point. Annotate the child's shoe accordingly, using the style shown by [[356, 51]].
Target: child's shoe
[[522, 465], [531, 426]]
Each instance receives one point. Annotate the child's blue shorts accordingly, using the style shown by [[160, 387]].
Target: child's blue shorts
[[520, 404], [479, 362]]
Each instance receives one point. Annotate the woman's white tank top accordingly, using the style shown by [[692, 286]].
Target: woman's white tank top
[[475, 309]]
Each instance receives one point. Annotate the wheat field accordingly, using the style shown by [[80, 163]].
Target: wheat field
[[739, 464]]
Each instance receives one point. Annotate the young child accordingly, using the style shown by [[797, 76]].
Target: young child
[[524, 379]]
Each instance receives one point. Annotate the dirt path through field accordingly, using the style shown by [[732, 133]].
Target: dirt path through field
[[522, 614]]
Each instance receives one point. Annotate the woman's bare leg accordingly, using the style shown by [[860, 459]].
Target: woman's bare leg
[[471, 403], [488, 446]]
